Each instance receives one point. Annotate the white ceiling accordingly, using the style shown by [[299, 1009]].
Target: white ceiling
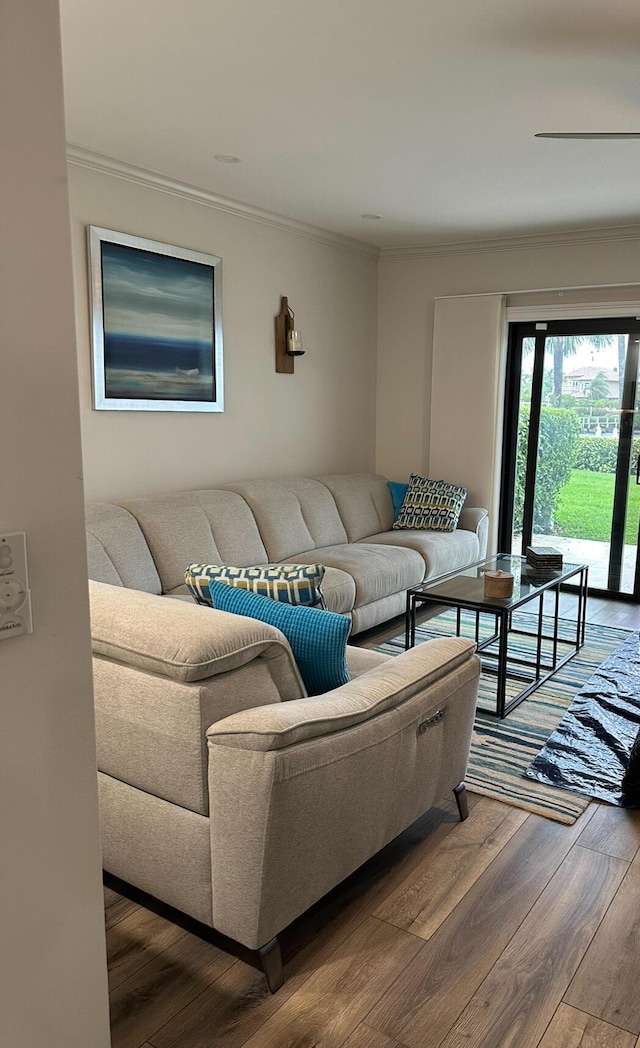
[[421, 111]]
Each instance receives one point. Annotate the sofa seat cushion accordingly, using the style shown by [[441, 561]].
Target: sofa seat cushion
[[376, 570], [441, 551], [361, 660], [338, 590]]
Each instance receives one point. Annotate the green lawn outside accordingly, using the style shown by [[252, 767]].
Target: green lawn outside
[[585, 505]]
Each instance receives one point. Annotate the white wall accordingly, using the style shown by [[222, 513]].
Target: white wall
[[468, 390], [53, 991], [320, 419], [415, 388]]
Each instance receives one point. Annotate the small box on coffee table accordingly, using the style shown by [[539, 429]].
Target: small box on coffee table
[[543, 562]]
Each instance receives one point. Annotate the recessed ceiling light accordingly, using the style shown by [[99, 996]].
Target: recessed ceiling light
[[226, 158], [372, 218]]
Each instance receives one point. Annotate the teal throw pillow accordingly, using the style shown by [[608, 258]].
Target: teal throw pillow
[[398, 492], [318, 638], [291, 583], [431, 505]]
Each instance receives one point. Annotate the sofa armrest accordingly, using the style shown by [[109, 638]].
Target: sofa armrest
[[180, 640], [472, 517], [476, 519], [384, 687], [307, 791]]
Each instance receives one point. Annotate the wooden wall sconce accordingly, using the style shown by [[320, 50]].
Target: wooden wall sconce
[[288, 339]]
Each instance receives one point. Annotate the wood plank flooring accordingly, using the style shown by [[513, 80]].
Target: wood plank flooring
[[505, 930]]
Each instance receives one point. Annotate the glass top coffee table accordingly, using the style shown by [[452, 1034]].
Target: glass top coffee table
[[464, 590]]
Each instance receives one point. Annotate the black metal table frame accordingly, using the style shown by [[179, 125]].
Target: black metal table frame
[[503, 669]]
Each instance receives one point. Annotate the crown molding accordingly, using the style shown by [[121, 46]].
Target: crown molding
[[107, 165], [599, 235], [93, 161]]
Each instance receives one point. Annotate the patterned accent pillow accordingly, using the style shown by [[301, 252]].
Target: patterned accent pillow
[[290, 583], [318, 638], [431, 504]]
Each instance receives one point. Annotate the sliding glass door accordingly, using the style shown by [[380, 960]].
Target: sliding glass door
[[571, 454]]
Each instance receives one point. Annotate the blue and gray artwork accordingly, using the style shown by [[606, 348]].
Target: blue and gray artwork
[[158, 326]]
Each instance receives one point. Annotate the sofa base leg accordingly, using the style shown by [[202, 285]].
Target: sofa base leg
[[271, 961], [460, 794], [269, 955]]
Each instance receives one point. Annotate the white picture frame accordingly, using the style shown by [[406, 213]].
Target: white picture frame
[[156, 325]]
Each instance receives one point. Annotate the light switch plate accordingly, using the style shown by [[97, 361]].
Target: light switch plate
[[15, 598]]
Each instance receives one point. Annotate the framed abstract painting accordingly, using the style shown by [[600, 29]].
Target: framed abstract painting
[[156, 325]]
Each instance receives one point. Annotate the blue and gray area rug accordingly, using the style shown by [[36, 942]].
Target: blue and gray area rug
[[502, 750]]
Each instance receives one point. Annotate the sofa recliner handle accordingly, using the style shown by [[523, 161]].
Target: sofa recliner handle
[[429, 722]]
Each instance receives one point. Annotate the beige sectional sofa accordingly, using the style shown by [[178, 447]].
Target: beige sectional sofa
[[343, 521], [226, 792]]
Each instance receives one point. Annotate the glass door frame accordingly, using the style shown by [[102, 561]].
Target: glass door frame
[[539, 331]]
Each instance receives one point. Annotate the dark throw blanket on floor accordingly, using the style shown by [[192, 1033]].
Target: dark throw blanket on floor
[[589, 750]]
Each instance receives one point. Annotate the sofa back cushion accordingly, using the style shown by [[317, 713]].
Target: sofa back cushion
[[208, 527], [294, 515], [364, 503], [117, 552]]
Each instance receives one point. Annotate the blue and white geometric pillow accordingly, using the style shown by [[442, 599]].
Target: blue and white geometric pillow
[[431, 504], [288, 583]]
